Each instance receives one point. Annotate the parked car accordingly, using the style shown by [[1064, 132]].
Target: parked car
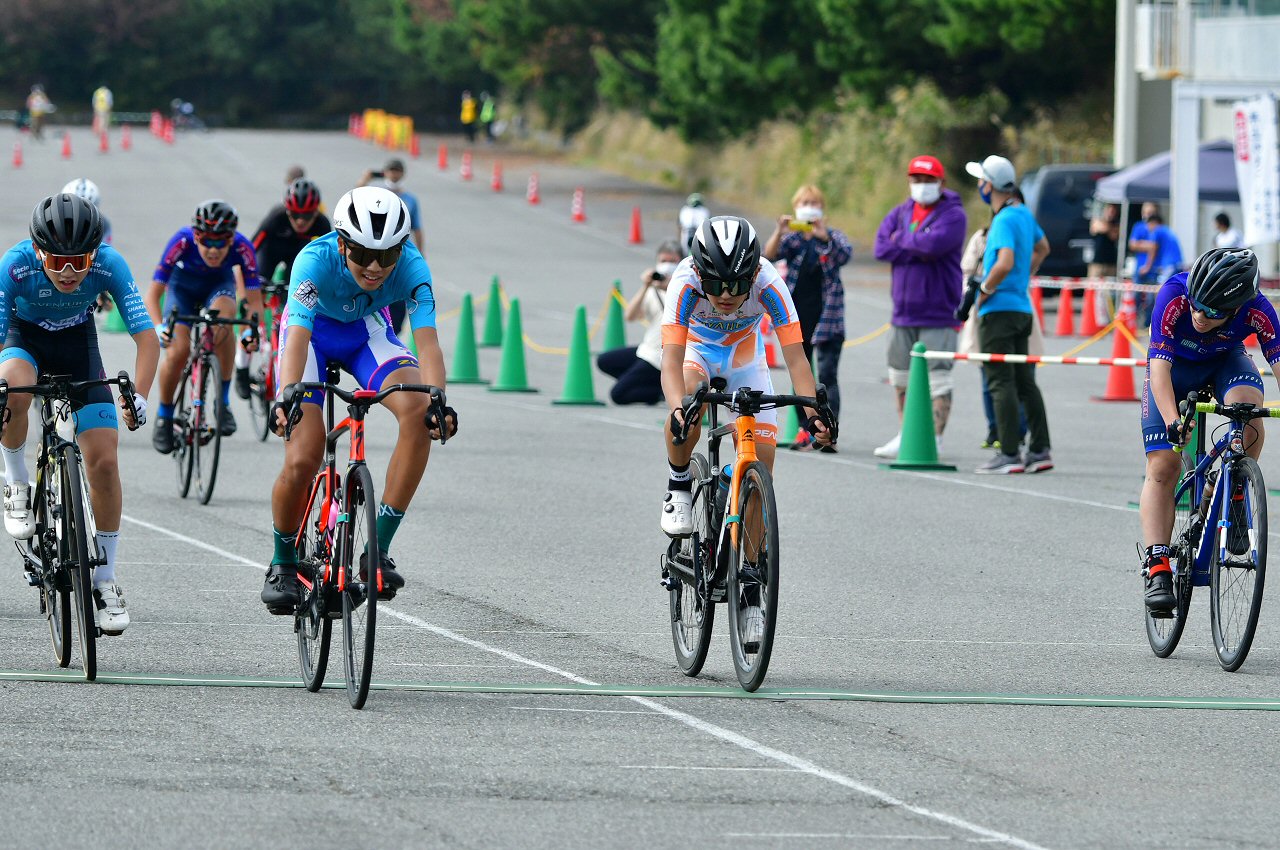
[[1060, 197]]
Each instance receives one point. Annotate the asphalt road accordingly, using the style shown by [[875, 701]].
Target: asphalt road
[[531, 555]]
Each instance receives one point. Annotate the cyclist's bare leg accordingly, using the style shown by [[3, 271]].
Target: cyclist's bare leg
[[225, 340], [413, 445], [680, 455], [302, 455], [18, 373], [1254, 435], [99, 447], [175, 357], [1164, 468]]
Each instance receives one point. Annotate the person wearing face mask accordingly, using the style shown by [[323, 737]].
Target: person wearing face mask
[[922, 239], [638, 369], [814, 254]]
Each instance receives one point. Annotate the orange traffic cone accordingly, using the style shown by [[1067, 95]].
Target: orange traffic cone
[[637, 236], [168, 132], [1089, 313], [495, 182], [1119, 378], [1251, 341], [17, 154], [104, 144], [157, 126], [415, 150], [532, 195], [66, 144], [442, 158], [1066, 317], [1037, 303], [579, 211], [465, 171], [126, 138]]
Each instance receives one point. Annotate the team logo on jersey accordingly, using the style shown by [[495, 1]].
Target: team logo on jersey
[[307, 295], [45, 293]]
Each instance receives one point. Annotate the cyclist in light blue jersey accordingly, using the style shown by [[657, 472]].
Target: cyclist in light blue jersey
[[339, 288], [48, 286]]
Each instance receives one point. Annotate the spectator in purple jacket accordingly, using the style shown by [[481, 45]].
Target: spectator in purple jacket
[[922, 239]]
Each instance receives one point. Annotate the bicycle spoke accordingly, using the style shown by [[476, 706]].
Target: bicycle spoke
[[1237, 577]]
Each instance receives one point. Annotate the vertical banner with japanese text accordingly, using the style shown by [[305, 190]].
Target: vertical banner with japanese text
[[1258, 168]]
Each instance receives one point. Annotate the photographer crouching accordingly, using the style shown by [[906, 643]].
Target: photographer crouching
[[638, 368]]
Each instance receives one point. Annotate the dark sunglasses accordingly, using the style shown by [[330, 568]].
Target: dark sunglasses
[[213, 242], [57, 262], [303, 216], [365, 257], [741, 286], [1211, 314]]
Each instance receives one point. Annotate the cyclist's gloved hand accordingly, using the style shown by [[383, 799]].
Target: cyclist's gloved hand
[[163, 334], [139, 410], [677, 421], [433, 424], [1175, 434], [817, 426], [249, 340]]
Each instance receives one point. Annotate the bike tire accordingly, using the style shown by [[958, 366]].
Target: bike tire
[[1163, 633], [183, 438], [208, 433], [754, 584], [76, 548], [260, 400], [1236, 584], [360, 598], [55, 595], [693, 613], [311, 621]]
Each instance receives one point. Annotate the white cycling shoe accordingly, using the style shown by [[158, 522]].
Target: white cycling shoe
[[18, 520], [113, 619], [677, 513]]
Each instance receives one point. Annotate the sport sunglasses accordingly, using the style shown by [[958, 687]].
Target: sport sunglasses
[[57, 263], [365, 257], [1210, 313], [740, 286], [213, 242]]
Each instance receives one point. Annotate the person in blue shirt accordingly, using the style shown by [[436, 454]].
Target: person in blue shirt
[[1015, 248], [1198, 328], [339, 289], [48, 287], [210, 265]]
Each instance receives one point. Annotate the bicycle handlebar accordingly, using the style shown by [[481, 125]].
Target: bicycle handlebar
[[746, 401], [211, 317], [291, 399], [1238, 412], [61, 387]]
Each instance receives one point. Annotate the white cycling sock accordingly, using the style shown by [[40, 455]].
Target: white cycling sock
[[107, 542], [15, 464]]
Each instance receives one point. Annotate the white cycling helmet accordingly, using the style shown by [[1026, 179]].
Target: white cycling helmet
[[83, 188], [373, 217]]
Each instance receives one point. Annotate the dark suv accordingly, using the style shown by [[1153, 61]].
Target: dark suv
[[1060, 197]]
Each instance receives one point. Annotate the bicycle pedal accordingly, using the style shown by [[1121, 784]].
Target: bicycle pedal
[[33, 580], [669, 582], [1160, 615]]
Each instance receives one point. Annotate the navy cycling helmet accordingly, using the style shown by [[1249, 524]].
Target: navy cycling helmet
[[66, 225], [215, 216], [1224, 278]]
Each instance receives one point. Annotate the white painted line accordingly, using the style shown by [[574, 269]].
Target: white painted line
[[727, 735], [690, 767], [837, 835], [581, 710]]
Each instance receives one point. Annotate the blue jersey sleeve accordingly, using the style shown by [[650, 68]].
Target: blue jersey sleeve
[[303, 295], [9, 264], [124, 291], [1260, 316], [247, 259], [1171, 305], [172, 253], [421, 299]]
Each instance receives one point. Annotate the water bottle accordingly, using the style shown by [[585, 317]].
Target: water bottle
[[725, 478]]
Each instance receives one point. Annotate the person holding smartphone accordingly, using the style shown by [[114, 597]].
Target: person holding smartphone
[[638, 368]]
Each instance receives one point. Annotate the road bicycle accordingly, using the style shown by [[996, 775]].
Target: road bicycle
[[262, 371], [339, 534], [1221, 490], [59, 558], [197, 407], [730, 557]]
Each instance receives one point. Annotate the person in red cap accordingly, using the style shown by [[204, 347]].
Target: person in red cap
[[922, 239]]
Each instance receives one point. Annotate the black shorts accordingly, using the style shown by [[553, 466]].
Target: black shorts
[[69, 351]]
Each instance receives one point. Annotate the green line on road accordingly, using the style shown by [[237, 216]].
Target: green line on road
[[697, 691]]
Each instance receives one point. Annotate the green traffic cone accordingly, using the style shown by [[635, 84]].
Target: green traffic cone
[[115, 322], [919, 449], [788, 427], [578, 385], [492, 336], [466, 365], [511, 374], [615, 328]]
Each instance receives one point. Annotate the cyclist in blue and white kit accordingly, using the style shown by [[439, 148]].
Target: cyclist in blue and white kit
[[204, 265], [48, 286], [1198, 327], [339, 288]]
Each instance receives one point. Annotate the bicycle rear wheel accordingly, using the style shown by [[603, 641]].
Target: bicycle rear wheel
[[1163, 633], [1235, 583], [183, 436], [207, 431], [311, 621], [360, 598], [692, 613], [753, 578], [76, 546]]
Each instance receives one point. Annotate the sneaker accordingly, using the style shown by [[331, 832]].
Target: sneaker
[[890, 449], [750, 627], [1238, 542], [113, 619], [392, 581], [280, 591], [1001, 464], [992, 441], [828, 449], [227, 422], [242, 381], [18, 520], [677, 513], [1039, 461], [162, 435], [1159, 595], [803, 442]]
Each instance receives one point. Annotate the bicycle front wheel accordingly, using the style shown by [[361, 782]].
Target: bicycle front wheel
[[207, 431], [311, 621], [55, 587], [76, 544], [261, 393], [692, 613], [753, 578], [1163, 633], [360, 596], [1236, 578], [183, 436]]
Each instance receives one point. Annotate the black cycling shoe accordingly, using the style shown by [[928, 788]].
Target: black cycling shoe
[[391, 579], [1238, 542], [280, 591], [242, 382], [227, 422], [162, 435], [1159, 596]]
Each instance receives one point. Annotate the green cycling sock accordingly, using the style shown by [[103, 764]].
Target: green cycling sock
[[286, 552], [388, 523]]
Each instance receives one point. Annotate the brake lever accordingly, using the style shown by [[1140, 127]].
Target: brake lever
[[126, 393], [438, 408]]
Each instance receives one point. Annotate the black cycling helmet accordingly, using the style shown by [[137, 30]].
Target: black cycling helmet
[[1224, 278], [302, 196], [726, 248], [66, 225], [215, 216]]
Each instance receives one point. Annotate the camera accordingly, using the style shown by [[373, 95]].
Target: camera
[[657, 276], [377, 174], [971, 287]]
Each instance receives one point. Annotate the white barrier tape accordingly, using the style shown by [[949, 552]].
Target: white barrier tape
[[1031, 358]]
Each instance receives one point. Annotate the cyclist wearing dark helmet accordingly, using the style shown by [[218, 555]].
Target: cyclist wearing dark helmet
[[1198, 328], [48, 287], [205, 265]]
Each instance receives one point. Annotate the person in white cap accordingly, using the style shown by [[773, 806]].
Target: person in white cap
[[1015, 248]]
